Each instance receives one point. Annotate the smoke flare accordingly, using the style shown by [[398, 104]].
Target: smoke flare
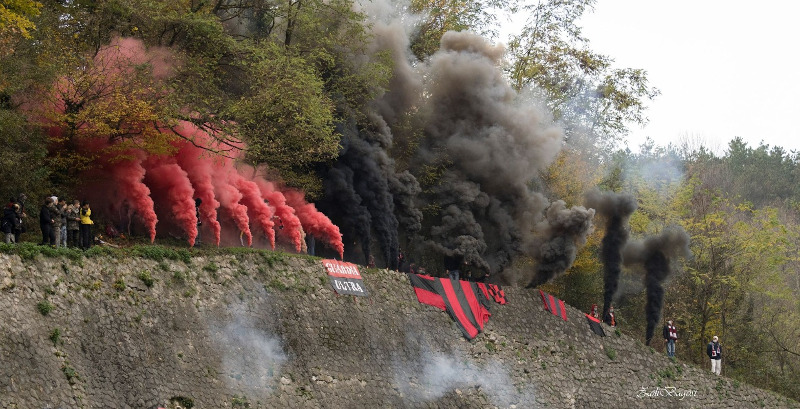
[[129, 175], [314, 222], [655, 254], [251, 197], [565, 230], [285, 213], [200, 170], [171, 179], [616, 208]]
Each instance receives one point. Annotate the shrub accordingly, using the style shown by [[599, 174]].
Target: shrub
[[70, 373], [44, 307], [146, 278], [612, 354], [55, 336], [119, 285]]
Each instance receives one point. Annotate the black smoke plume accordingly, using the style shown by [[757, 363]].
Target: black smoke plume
[[365, 191], [616, 209], [472, 142], [655, 254], [566, 230], [374, 200], [487, 144]]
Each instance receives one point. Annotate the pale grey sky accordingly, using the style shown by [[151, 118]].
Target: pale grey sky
[[724, 68]]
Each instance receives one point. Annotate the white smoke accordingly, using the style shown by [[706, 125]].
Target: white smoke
[[251, 355], [435, 374]]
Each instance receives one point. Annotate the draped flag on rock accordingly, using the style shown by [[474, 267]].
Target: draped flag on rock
[[493, 292], [554, 305], [594, 324], [345, 278], [464, 301]]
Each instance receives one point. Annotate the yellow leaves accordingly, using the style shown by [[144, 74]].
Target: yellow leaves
[[15, 17], [570, 176]]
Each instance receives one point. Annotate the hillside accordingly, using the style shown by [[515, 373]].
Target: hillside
[[263, 330]]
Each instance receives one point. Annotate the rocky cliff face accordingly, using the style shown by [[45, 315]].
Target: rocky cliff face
[[266, 331]]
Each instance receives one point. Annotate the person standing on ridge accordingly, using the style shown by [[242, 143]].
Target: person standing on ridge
[[670, 337], [593, 312], [74, 223], [197, 202], [46, 223], [21, 199], [714, 352], [86, 226], [610, 318]]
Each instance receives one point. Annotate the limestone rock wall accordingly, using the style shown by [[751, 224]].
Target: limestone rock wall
[[266, 331]]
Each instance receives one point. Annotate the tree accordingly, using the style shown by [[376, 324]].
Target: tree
[[441, 16], [287, 119], [15, 22], [595, 101]]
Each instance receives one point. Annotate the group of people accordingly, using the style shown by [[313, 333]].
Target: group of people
[[609, 318], [61, 224], [670, 333], [713, 349], [65, 224]]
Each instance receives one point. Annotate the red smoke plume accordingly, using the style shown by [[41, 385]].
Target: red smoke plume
[[171, 179], [314, 222], [199, 166], [287, 216], [129, 175], [229, 198], [251, 197], [163, 185]]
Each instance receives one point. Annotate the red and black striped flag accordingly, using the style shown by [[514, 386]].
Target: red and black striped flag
[[462, 300], [554, 305], [493, 292], [594, 324]]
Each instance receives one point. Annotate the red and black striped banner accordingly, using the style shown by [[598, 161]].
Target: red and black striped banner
[[493, 292], [463, 300], [595, 326], [554, 305]]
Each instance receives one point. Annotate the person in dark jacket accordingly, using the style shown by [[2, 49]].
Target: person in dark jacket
[[74, 223], [21, 200], [10, 221], [46, 223], [197, 203], [670, 337], [714, 352]]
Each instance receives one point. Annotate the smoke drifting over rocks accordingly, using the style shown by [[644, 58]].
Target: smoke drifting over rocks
[[655, 254], [251, 355], [616, 209], [437, 374]]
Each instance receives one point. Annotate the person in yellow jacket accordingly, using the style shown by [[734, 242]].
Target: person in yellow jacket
[[86, 226]]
